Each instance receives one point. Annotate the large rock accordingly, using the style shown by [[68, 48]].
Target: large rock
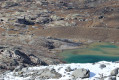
[[23, 56], [81, 73], [102, 66], [50, 74], [114, 72], [36, 60], [112, 78], [55, 18], [43, 20], [68, 69], [25, 21], [42, 42]]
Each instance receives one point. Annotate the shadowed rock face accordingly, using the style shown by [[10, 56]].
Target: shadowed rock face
[[9, 59], [27, 51], [23, 56], [24, 21]]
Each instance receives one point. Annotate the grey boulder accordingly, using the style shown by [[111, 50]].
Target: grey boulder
[[48, 74], [81, 73], [114, 72]]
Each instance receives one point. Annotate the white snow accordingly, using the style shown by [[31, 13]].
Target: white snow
[[95, 70]]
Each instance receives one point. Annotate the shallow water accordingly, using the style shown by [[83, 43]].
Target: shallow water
[[93, 53]]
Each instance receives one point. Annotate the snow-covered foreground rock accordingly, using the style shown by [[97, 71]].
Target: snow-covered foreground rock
[[76, 71]]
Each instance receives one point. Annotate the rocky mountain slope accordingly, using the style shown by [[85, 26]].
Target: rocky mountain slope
[[33, 32], [74, 19], [38, 51]]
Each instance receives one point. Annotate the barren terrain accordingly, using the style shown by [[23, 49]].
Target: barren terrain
[[40, 29]]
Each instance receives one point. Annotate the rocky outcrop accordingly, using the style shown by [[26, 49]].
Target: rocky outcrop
[[47, 74], [24, 21], [115, 72], [53, 43], [68, 69], [9, 59]]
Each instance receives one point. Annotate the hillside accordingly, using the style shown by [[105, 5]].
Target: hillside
[[83, 19], [34, 32]]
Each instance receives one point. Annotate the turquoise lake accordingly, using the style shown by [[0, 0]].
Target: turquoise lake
[[92, 53]]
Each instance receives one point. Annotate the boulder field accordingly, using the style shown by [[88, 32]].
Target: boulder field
[[76, 71]]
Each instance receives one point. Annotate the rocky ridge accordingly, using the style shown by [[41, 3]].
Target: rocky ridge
[[38, 51]]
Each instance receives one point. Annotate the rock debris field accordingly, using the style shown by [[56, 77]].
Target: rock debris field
[[76, 71]]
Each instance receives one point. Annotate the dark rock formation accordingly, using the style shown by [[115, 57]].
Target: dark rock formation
[[102, 66], [9, 59], [24, 21]]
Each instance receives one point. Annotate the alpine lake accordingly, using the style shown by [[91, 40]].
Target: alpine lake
[[92, 53]]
